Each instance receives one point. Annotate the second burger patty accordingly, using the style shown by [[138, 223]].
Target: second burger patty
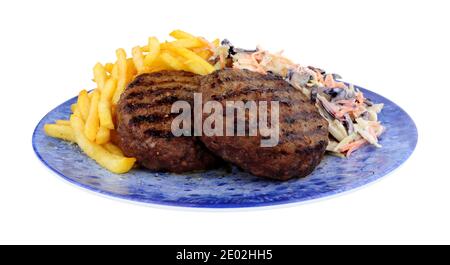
[[144, 123], [303, 133]]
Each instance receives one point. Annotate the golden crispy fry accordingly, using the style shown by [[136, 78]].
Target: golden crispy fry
[[108, 91], [114, 163], [153, 48], [188, 43], [115, 72], [159, 68], [131, 70], [62, 122], [104, 106], [92, 121], [109, 67], [105, 115], [144, 48], [205, 54], [179, 34], [103, 136], [60, 131], [83, 104], [113, 149], [205, 42], [157, 64], [195, 67], [77, 112], [171, 61], [122, 74], [99, 75], [194, 62], [138, 59], [73, 107]]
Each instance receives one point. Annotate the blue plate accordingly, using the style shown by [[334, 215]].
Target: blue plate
[[231, 189]]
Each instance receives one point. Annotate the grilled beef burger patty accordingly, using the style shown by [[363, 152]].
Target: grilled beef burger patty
[[303, 131], [144, 123]]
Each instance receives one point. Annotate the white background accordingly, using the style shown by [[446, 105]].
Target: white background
[[399, 49]]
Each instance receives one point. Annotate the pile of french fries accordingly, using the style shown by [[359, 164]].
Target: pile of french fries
[[92, 118]]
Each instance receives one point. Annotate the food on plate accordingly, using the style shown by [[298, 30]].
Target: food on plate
[[127, 116], [61, 131], [104, 105], [144, 123], [83, 104], [112, 162], [97, 108], [303, 134], [341, 104], [92, 124], [62, 122]]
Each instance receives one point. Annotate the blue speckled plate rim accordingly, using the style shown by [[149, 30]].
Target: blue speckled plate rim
[[353, 185]]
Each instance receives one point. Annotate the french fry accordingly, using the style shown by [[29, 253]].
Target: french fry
[[99, 75], [104, 106], [105, 115], [114, 163], [73, 107], [109, 67], [113, 149], [158, 69], [195, 67], [62, 122], [205, 42], [63, 132], [138, 59], [103, 136], [157, 64], [109, 90], [115, 72], [92, 121], [171, 61], [205, 54], [122, 74], [77, 112], [131, 70], [196, 63], [179, 34], [188, 43], [83, 104], [153, 51], [144, 48]]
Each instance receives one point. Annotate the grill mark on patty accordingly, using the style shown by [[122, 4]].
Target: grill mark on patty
[[147, 83], [133, 106], [150, 79], [238, 85], [245, 91], [158, 133], [157, 90], [150, 118]]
